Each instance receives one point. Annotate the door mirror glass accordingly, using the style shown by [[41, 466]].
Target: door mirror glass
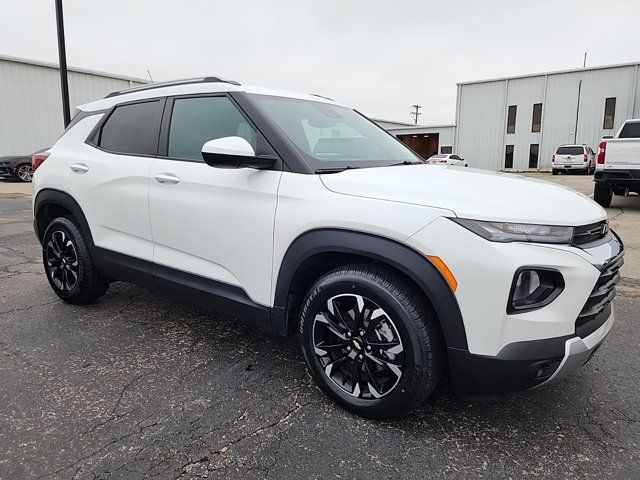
[[233, 152]]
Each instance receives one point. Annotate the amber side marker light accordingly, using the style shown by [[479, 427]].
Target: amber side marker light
[[444, 271]]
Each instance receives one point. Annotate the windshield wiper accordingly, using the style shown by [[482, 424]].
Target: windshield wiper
[[406, 162], [336, 169]]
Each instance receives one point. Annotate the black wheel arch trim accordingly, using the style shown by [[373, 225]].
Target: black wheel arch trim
[[49, 196], [384, 250]]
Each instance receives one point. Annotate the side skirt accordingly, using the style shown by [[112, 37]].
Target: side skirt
[[218, 296]]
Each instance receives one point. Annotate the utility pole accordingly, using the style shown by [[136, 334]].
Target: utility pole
[[416, 113], [584, 62], [62, 54]]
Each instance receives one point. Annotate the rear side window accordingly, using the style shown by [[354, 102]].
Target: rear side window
[[630, 130], [132, 129], [195, 121], [570, 151]]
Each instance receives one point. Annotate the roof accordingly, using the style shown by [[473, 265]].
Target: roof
[[555, 72], [202, 85], [38, 63]]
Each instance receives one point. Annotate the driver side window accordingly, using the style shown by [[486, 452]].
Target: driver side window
[[195, 121]]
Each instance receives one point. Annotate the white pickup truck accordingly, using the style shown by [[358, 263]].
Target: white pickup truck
[[618, 164]]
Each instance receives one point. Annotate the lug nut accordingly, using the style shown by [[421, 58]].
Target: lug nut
[[362, 333], [348, 349], [368, 348], [348, 334], [360, 357]]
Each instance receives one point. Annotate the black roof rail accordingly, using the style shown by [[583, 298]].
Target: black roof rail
[[151, 86], [322, 96]]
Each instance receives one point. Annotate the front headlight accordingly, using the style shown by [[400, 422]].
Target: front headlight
[[517, 232]]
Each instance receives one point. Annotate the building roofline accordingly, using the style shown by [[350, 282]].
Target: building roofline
[[28, 61], [423, 127], [554, 72], [392, 121]]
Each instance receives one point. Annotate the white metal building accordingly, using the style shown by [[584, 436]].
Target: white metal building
[[517, 123], [31, 105]]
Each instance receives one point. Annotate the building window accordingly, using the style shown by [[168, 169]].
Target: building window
[[508, 156], [536, 120], [446, 149], [534, 148], [609, 113], [511, 119]]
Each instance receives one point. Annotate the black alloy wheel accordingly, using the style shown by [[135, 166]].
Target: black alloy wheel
[[358, 346], [371, 341], [62, 261]]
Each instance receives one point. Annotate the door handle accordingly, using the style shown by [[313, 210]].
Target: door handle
[[168, 178], [79, 168]]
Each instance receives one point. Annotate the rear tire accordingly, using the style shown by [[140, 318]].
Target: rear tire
[[24, 172], [554, 172], [602, 194], [370, 342], [68, 264]]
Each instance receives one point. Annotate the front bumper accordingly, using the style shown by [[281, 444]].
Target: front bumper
[[523, 365], [7, 172]]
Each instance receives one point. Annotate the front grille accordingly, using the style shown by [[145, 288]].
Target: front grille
[[598, 307], [590, 233]]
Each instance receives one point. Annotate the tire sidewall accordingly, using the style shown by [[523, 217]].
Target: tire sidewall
[[402, 393]]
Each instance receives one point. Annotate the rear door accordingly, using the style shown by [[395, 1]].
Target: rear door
[[570, 156], [216, 223], [111, 177]]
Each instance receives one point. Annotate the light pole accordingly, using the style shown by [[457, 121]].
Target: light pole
[[62, 55]]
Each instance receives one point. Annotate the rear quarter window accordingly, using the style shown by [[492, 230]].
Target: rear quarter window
[[132, 129]]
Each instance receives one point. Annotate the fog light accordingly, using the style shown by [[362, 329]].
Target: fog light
[[534, 288]]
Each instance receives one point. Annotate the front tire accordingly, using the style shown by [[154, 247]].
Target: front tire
[[68, 264], [602, 194], [370, 341]]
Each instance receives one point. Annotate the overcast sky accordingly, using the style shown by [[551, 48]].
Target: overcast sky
[[378, 56]]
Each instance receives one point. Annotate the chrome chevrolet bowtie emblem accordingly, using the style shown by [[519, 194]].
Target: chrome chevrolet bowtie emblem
[[356, 345]]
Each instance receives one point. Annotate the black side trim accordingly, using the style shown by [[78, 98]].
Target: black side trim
[[218, 296], [386, 251]]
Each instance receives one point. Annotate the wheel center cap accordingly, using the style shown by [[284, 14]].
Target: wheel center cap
[[356, 345]]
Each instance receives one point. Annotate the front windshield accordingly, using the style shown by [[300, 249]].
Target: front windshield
[[334, 137]]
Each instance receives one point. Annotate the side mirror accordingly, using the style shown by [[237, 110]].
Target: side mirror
[[233, 152]]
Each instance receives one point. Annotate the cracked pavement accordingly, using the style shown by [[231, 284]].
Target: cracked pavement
[[139, 385]]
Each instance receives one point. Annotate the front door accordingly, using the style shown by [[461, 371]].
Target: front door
[[216, 223]]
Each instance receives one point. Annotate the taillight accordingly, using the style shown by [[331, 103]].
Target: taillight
[[37, 159], [585, 157], [601, 152], [553, 159]]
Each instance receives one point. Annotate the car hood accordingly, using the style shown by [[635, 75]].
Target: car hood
[[470, 193]]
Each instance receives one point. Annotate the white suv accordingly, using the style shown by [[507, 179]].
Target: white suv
[[573, 157], [300, 214]]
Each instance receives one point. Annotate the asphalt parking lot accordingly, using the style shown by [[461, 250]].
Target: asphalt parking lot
[[143, 386]]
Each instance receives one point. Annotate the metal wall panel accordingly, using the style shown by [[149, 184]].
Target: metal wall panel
[[31, 105], [523, 93], [481, 121]]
